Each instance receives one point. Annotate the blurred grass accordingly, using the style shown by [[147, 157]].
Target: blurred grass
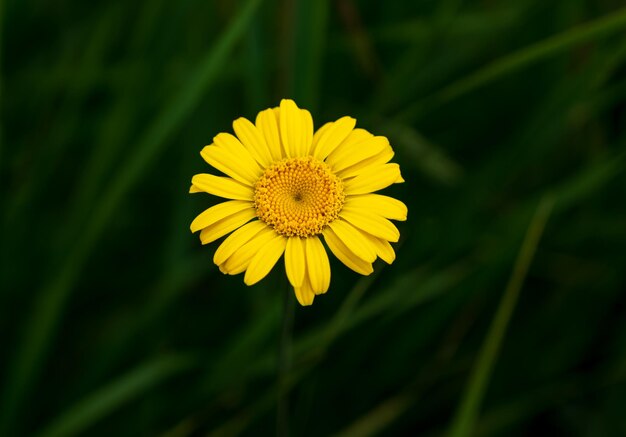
[[24, 371], [551, 46], [309, 28], [1, 83], [490, 107], [90, 410], [469, 407]]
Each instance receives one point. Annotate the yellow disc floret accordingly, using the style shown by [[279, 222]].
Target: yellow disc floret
[[298, 196]]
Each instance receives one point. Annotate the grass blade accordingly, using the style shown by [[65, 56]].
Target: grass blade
[[24, 368], [310, 25], [1, 81], [420, 153], [467, 413], [88, 411], [520, 59], [378, 419]]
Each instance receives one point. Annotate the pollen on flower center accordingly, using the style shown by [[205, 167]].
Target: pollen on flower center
[[298, 196]]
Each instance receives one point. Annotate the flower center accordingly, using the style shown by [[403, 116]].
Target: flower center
[[298, 196]]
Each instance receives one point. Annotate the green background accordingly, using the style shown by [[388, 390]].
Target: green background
[[504, 313]]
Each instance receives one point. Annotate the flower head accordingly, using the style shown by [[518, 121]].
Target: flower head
[[288, 187]]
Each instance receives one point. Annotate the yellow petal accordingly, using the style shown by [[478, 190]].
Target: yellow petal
[[383, 249], [253, 140], [318, 266], [276, 110], [295, 261], [356, 136], [333, 136], [264, 260], [307, 131], [240, 167], [386, 206], [318, 134], [194, 189], [240, 259], [371, 223], [237, 239], [376, 160], [222, 186], [372, 179], [232, 144], [218, 212], [266, 124], [345, 255], [351, 155], [226, 225], [354, 240], [291, 129], [305, 294]]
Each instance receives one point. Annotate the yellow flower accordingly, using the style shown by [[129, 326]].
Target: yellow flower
[[289, 186]]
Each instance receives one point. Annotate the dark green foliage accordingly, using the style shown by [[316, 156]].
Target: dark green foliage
[[504, 115]]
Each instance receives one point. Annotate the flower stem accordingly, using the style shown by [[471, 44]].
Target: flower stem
[[284, 363]]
